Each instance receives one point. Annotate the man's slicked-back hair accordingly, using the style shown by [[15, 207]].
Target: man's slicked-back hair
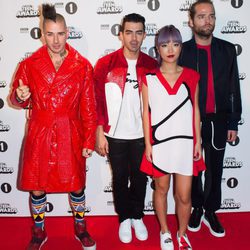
[[49, 13], [134, 18], [193, 6]]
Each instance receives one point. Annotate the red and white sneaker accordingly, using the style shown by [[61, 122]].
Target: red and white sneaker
[[83, 236], [183, 242], [39, 237]]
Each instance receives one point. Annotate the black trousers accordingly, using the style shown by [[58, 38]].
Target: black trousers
[[214, 137], [129, 183]]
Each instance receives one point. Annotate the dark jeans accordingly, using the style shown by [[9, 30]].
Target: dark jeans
[[214, 136], [129, 183]]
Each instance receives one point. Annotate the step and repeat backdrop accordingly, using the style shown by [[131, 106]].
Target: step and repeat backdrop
[[93, 27]]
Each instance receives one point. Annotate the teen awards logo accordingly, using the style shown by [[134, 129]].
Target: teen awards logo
[[27, 11], [149, 207], [233, 27], [230, 204], [231, 162], [3, 84], [74, 33], [186, 5], [26, 55], [108, 189], [4, 169], [109, 7], [242, 76], [5, 208], [151, 29], [4, 127]]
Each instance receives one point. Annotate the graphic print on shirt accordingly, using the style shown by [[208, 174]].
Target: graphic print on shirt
[[171, 113], [124, 109]]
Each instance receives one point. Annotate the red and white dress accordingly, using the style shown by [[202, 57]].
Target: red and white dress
[[172, 132]]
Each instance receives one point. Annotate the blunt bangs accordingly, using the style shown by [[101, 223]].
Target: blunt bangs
[[167, 34]]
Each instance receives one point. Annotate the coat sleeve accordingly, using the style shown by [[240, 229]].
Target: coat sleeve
[[22, 74], [100, 72], [235, 96], [88, 109]]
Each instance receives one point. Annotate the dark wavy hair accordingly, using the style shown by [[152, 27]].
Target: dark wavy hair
[[166, 34], [49, 13], [133, 17]]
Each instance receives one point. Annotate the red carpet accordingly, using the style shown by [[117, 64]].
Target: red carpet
[[15, 233]]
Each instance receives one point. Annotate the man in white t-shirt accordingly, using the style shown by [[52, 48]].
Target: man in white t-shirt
[[118, 81]]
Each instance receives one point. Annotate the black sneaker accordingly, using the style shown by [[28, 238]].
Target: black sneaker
[[195, 220], [212, 222]]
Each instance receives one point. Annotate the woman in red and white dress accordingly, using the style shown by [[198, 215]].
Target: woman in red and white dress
[[171, 123]]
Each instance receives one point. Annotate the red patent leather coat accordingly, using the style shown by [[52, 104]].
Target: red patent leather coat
[[62, 122]]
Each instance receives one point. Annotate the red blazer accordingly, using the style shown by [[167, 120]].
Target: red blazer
[[62, 122]]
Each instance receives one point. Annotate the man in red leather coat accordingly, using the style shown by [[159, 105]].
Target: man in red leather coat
[[57, 82], [118, 81]]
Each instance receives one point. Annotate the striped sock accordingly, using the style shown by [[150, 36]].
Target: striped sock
[[77, 202], [38, 206]]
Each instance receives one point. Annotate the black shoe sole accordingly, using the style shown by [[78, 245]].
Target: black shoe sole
[[206, 222]]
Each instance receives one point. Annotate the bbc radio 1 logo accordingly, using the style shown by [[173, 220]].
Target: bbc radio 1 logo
[[35, 32], [5, 208], [233, 27], [74, 33], [115, 29], [151, 29], [4, 169], [4, 127], [27, 11], [234, 143], [186, 5], [1, 103], [230, 204], [109, 7], [1, 37], [6, 188], [71, 8], [236, 3], [3, 146], [232, 182], [231, 162], [153, 5]]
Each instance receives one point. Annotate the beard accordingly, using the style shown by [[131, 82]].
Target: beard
[[204, 32]]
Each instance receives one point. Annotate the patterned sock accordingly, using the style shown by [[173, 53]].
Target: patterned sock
[[38, 206], [77, 202]]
